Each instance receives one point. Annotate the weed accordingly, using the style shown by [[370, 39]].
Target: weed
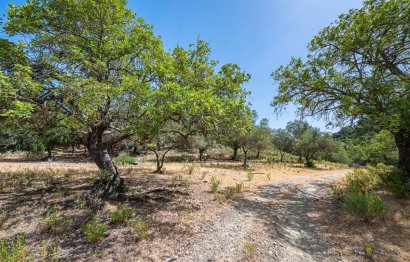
[[187, 183], [14, 250], [123, 213], [250, 175], [49, 178], [53, 220], [204, 174], [94, 230], [404, 213], [269, 176], [368, 250], [230, 191], [239, 186], [367, 206], [49, 253], [215, 184], [191, 168], [140, 227], [250, 250], [103, 176], [4, 216], [82, 203]]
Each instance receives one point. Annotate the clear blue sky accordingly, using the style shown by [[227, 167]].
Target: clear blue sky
[[259, 35]]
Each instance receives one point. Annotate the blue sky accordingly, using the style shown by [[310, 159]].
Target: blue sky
[[259, 35]]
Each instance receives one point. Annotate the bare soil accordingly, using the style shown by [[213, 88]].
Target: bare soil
[[286, 213]]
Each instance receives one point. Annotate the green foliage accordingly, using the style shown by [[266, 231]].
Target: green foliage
[[229, 191], [394, 180], [215, 184], [250, 249], [124, 160], [239, 186], [140, 228], [283, 141], [14, 250], [362, 181], [103, 176], [188, 183], [368, 250], [53, 220], [94, 230], [356, 72], [250, 175], [123, 213], [49, 253], [367, 206]]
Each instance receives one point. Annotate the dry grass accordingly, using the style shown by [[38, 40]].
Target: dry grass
[[173, 208], [388, 238]]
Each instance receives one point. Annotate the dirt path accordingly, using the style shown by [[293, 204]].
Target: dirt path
[[278, 220]]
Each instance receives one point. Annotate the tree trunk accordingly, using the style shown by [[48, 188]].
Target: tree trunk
[[258, 154], [235, 153], [160, 163], [300, 158], [113, 184], [49, 152], [202, 154], [281, 156], [402, 139], [245, 160]]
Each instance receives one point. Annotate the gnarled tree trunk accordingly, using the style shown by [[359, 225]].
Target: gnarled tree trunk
[[402, 138], [112, 184], [235, 153], [201, 154]]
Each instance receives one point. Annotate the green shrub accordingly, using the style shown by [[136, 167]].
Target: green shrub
[[367, 206], [123, 213], [4, 216], [124, 160], [53, 220], [95, 229], [239, 186], [49, 253], [14, 250], [250, 250], [362, 181], [140, 227], [215, 184], [395, 181], [103, 176], [250, 175], [230, 191], [310, 164], [187, 183]]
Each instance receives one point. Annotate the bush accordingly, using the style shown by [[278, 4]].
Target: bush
[[366, 206], [230, 191], [95, 229], [124, 160], [362, 181], [394, 180], [310, 164], [140, 228], [250, 175], [239, 186], [55, 221], [215, 185], [123, 213], [14, 250]]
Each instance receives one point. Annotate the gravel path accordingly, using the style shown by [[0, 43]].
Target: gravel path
[[277, 219]]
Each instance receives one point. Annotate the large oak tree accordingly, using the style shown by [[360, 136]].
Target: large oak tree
[[357, 72]]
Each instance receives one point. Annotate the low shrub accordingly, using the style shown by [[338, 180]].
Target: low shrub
[[367, 206], [310, 164], [94, 230], [230, 191], [239, 186], [54, 221], [395, 181], [123, 213], [15, 250], [215, 184], [362, 181], [250, 175], [124, 160], [140, 228]]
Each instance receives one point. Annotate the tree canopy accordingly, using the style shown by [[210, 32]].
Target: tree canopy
[[357, 70]]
